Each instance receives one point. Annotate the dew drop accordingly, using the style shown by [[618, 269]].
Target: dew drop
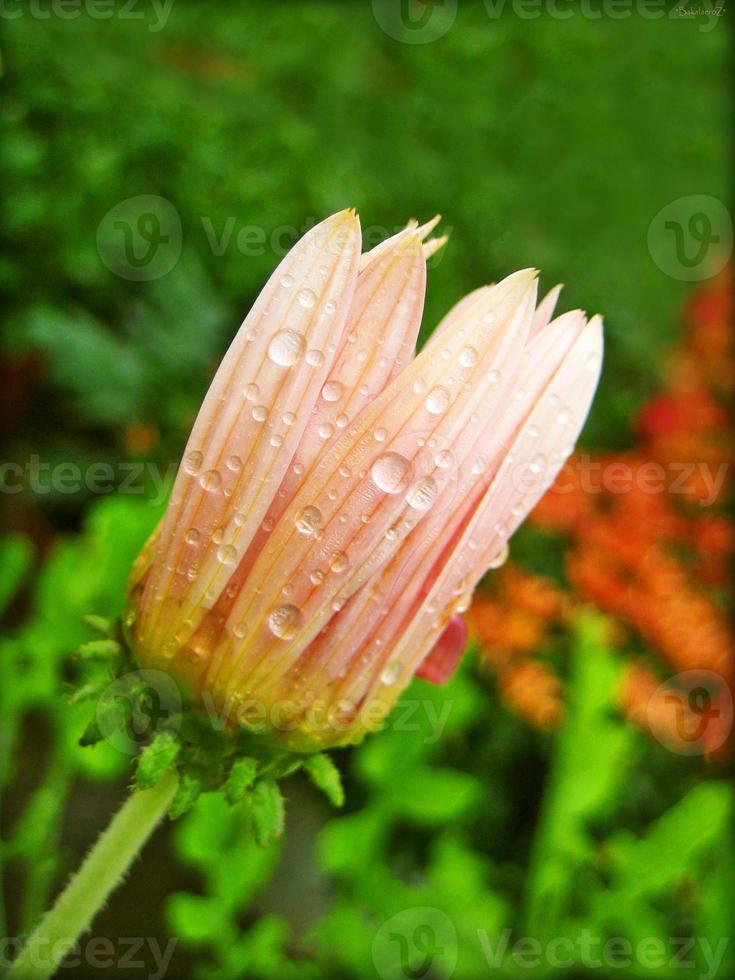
[[285, 621], [325, 430], [341, 421], [338, 561], [193, 536], [307, 298], [240, 630], [332, 391], [233, 463], [422, 494], [251, 392], [315, 357], [287, 281], [468, 357], [286, 347], [345, 472], [500, 558], [564, 416], [211, 480], [267, 525], [390, 472], [379, 435], [227, 554], [444, 459], [437, 401], [260, 413], [316, 577], [419, 386], [537, 464], [330, 306], [289, 418], [390, 672], [276, 441], [308, 520], [493, 377], [193, 462], [479, 465]]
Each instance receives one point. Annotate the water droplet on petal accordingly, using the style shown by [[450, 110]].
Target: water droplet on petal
[[390, 472], [500, 558], [211, 480], [193, 462], [422, 494], [444, 459], [260, 413], [332, 391], [338, 561], [468, 357], [390, 672], [227, 554], [193, 536], [315, 358], [564, 416], [437, 401], [233, 463], [308, 520], [286, 347], [316, 577], [289, 418], [307, 298], [251, 392], [494, 376], [479, 465], [240, 630], [537, 464], [287, 281], [284, 621], [341, 421], [379, 435]]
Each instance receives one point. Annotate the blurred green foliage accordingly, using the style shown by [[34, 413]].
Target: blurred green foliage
[[547, 142]]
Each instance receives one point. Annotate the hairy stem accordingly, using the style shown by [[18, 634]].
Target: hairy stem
[[101, 871]]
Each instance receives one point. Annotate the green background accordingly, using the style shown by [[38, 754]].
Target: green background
[[543, 142]]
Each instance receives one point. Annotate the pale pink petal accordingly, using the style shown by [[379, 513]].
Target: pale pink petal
[[531, 464], [545, 310], [276, 366], [382, 611], [445, 395], [443, 658]]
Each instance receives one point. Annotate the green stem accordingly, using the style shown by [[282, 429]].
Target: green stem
[[88, 890]]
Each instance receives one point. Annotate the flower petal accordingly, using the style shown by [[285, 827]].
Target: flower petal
[[374, 477], [275, 368]]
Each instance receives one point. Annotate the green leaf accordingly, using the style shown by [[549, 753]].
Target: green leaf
[[15, 559], [326, 776], [188, 791], [99, 624], [98, 650], [267, 811], [156, 758], [241, 778]]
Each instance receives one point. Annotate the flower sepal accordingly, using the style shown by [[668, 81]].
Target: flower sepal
[[236, 762]]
